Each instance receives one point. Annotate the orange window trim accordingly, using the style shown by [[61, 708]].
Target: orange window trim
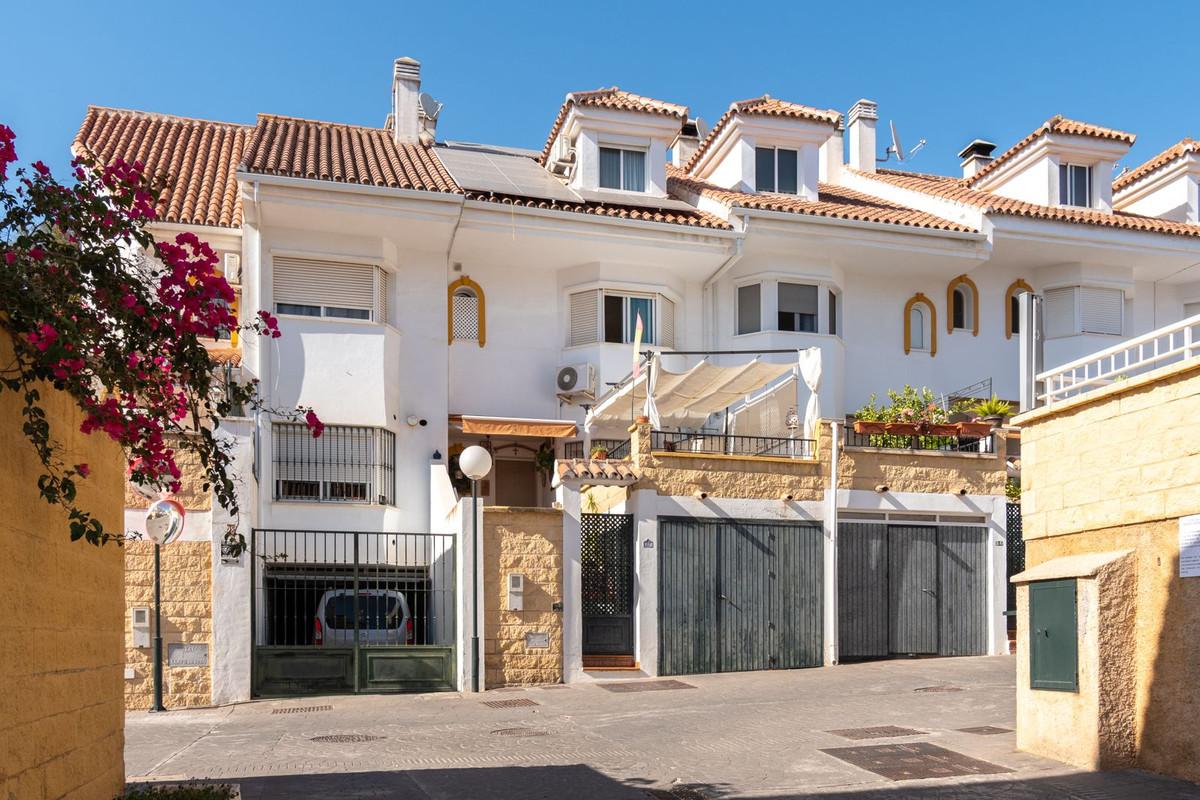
[[465, 281], [1019, 285], [921, 299], [962, 280]]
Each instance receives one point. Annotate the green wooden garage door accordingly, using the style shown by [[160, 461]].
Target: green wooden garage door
[[737, 595]]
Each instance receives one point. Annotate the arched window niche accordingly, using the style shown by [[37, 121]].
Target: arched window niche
[[466, 318], [920, 325], [1012, 308], [962, 301]]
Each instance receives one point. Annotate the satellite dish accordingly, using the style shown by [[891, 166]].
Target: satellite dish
[[701, 128], [429, 107], [896, 147]]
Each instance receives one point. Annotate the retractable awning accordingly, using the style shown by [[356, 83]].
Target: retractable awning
[[509, 426]]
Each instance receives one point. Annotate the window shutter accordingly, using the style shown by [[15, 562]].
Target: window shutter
[[1101, 310], [315, 282], [666, 322], [383, 286], [585, 318], [1058, 311], [466, 315]]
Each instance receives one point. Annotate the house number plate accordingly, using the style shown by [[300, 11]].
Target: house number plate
[[180, 654], [537, 641]]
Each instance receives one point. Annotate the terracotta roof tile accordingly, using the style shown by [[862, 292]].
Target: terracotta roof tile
[[695, 218], [303, 148], [197, 158], [1056, 124], [225, 355], [766, 106], [957, 190], [615, 98], [837, 202], [588, 470], [1175, 151]]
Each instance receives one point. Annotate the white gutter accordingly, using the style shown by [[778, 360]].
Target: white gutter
[[350, 188], [886, 227], [734, 257]]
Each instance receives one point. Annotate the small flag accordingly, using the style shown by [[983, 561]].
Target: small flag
[[637, 347]]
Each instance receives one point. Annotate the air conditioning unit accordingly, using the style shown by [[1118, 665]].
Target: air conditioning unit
[[233, 268], [576, 382]]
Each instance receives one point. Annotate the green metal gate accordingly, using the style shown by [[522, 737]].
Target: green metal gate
[[351, 611], [737, 595]]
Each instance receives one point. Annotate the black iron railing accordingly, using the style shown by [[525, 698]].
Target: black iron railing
[[346, 464], [893, 441], [723, 444], [617, 448]]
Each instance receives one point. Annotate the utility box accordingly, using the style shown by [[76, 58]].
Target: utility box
[[1053, 639], [516, 592], [139, 621]]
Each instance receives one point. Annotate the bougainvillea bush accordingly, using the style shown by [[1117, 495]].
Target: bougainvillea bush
[[97, 308]]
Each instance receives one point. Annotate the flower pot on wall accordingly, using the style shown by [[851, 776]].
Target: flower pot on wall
[[975, 428], [869, 426], [599, 454], [938, 429], [901, 428]]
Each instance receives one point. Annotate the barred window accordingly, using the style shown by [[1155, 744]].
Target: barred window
[[466, 312], [346, 464]]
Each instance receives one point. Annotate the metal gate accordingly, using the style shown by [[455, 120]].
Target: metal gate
[[351, 611], [606, 578], [1015, 544], [738, 595], [912, 590]]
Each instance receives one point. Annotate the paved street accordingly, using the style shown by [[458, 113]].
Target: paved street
[[751, 735]]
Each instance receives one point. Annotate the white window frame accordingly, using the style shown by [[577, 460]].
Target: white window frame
[[926, 328], [737, 307], [775, 169], [623, 149], [626, 319], [968, 307], [381, 290], [1077, 326], [1066, 193]]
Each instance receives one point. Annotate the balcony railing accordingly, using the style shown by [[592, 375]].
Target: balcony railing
[[950, 444], [726, 445], [617, 448], [1171, 343]]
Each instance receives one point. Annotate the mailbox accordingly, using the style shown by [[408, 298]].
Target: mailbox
[[516, 592], [139, 622]]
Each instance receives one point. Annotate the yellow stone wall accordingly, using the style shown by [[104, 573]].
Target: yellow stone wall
[[1115, 473], [186, 617], [930, 471], [528, 541], [61, 713]]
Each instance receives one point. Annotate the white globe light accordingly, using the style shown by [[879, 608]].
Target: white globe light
[[164, 521], [475, 462]]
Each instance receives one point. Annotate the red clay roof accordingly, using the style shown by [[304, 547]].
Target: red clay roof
[[607, 471], [765, 106], [695, 218], [1175, 151], [615, 98], [837, 202], [304, 148], [197, 158], [957, 189], [1056, 124]]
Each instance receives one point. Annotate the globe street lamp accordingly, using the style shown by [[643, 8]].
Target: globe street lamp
[[475, 462], [164, 523]]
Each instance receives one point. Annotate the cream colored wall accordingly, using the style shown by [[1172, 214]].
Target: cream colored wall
[[61, 714], [1115, 473], [929, 471], [527, 541]]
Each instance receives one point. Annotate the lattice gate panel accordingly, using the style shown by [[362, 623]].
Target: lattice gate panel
[[606, 559], [1016, 551]]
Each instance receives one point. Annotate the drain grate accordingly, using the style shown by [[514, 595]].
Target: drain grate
[[985, 730], [345, 738], [677, 793], [880, 732], [917, 761], [301, 709], [520, 732], [645, 686], [939, 689], [520, 702]]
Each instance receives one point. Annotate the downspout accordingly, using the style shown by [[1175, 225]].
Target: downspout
[[831, 563], [727, 265]]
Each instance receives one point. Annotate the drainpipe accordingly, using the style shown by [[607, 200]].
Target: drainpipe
[[727, 265], [831, 562]]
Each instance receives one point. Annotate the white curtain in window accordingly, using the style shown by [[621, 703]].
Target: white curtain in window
[[634, 170], [810, 371], [610, 168], [916, 328]]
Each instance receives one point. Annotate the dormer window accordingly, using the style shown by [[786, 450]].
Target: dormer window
[[622, 169], [775, 170], [1074, 185]]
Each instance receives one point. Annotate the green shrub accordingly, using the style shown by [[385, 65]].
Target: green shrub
[[190, 791], [994, 407]]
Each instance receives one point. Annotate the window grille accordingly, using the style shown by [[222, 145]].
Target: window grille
[[465, 308], [346, 464]]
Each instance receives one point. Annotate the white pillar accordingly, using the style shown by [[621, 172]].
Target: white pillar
[[231, 646], [830, 584], [643, 506], [469, 565], [572, 598]]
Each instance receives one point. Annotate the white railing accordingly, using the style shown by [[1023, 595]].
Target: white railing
[[1176, 342]]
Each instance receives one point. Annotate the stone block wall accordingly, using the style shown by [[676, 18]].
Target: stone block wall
[[61, 712], [186, 617], [527, 541], [929, 471]]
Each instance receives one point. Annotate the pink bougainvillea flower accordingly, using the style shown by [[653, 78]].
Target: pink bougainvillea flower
[[83, 469], [314, 423], [10, 257], [42, 337], [42, 169], [37, 253], [8, 153]]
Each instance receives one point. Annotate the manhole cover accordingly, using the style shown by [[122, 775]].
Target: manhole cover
[[645, 686], [301, 709], [985, 730], [880, 732], [520, 702], [909, 762], [520, 732], [345, 738], [938, 689]]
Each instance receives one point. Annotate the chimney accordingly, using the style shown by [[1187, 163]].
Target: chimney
[[833, 151], [976, 156], [862, 135], [406, 91], [685, 145]]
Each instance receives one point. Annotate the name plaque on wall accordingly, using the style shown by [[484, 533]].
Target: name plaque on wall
[[1189, 546], [187, 654], [537, 641]]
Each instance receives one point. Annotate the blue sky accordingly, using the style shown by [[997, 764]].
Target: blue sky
[[949, 73]]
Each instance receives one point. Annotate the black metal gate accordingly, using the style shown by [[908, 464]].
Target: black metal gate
[[738, 595], [606, 578], [911, 590], [1015, 545], [351, 611]]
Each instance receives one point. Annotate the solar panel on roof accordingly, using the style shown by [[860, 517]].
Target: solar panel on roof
[[481, 170]]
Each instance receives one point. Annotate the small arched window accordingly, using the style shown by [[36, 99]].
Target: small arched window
[[920, 325], [466, 312], [963, 299], [1012, 307]]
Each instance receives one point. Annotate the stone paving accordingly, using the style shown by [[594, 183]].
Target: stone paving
[[749, 735]]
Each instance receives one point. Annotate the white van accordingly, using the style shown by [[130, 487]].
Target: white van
[[383, 618]]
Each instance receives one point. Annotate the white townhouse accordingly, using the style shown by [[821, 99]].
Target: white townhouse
[[435, 294]]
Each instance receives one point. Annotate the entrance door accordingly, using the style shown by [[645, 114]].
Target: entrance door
[[913, 589], [516, 483], [606, 577]]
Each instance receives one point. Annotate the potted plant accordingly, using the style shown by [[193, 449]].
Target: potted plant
[[599, 452], [543, 459], [974, 428], [902, 428], [869, 426], [993, 410]]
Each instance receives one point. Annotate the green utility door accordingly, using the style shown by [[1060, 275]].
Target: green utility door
[[1053, 636]]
